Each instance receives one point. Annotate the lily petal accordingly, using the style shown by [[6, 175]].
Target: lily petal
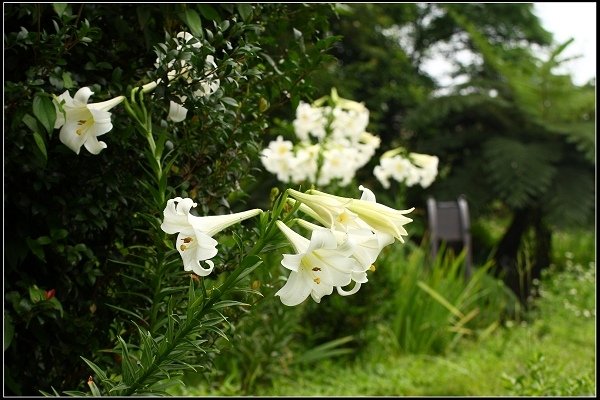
[[176, 215], [93, 145], [292, 261], [177, 112], [107, 105], [295, 290], [82, 96], [214, 224], [299, 242], [70, 139], [351, 291], [196, 248]]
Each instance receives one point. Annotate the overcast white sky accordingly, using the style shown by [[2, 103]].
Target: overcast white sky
[[564, 21], [576, 20]]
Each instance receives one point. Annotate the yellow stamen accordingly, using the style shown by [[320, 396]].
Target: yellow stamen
[[282, 150], [343, 217], [85, 124], [372, 267], [183, 247], [317, 280]]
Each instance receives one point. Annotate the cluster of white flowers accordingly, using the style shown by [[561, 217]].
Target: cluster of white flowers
[[206, 80], [351, 232], [407, 168], [81, 123], [333, 143], [340, 251]]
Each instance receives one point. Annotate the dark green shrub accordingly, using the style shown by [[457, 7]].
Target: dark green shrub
[[79, 224]]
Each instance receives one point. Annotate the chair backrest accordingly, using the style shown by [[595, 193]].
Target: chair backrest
[[449, 223]]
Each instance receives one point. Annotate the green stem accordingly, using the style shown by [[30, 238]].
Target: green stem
[[157, 289], [215, 296], [192, 323]]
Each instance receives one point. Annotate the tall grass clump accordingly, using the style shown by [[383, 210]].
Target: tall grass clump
[[429, 305]]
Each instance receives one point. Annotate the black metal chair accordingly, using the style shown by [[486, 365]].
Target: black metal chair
[[449, 223]]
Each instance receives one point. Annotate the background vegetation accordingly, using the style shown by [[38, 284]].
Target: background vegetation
[[516, 138]]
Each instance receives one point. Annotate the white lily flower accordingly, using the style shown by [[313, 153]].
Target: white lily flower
[[305, 163], [81, 123], [309, 120], [382, 176], [194, 242], [380, 217], [150, 86], [319, 265], [346, 221], [365, 246], [335, 211], [331, 211], [365, 250], [177, 112], [428, 167]]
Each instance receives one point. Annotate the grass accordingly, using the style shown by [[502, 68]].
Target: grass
[[551, 355]]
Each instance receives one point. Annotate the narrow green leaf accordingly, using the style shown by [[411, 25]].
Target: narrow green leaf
[[228, 303], [326, 350], [97, 370], [75, 393], [440, 299], [230, 101], [94, 388], [128, 312], [44, 240], [249, 267], [36, 294], [58, 234], [128, 369], [120, 386], [36, 249], [67, 81], [44, 111], [55, 304], [41, 145]]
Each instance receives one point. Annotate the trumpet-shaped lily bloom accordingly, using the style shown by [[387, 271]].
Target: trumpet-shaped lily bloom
[[365, 246], [194, 242], [329, 210], [319, 265], [81, 123], [336, 211], [365, 250], [380, 217]]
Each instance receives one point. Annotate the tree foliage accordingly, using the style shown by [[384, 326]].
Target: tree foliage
[[520, 130]]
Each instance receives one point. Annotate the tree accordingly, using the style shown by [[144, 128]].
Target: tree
[[522, 135]]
